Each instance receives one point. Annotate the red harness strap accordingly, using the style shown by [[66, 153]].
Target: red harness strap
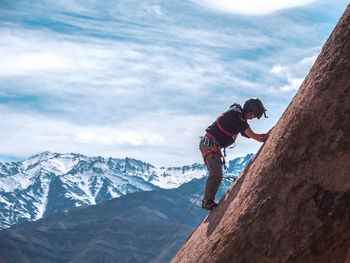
[[207, 134], [204, 155], [223, 130], [213, 148]]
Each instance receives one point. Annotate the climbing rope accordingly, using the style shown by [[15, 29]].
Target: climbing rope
[[172, 235]]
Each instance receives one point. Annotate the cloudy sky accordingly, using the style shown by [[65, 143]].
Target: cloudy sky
[[144, 79]]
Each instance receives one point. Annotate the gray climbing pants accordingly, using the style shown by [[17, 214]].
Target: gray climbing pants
[[214, 165]]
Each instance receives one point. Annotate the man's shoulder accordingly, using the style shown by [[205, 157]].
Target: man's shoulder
[[235, 113]]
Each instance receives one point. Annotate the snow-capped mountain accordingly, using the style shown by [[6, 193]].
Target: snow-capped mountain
[[132, 228], [51, 182]]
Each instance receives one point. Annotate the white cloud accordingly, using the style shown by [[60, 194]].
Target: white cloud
[[294, 84], [30, 133], [98, 62], [251, 7], [292, 74], [103, 78], [27, 63], [155, 9], [277, 69], [118, 138]]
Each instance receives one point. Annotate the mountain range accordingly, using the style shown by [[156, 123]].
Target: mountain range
[[131, 228], [48, 183]]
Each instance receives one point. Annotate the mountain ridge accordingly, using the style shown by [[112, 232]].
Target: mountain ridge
[[48, 183], [131, 228]]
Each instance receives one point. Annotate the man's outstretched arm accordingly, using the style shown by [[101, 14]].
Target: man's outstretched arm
[[258, 137]]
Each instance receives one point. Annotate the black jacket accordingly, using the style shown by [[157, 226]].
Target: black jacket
[[228, 125]]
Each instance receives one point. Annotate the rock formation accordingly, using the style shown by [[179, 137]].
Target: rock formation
[[292, 201]]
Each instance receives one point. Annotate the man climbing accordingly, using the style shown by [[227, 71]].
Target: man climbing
[[221, 134]]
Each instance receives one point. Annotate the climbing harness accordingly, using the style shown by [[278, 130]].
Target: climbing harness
[[215, 149], [214, 144]]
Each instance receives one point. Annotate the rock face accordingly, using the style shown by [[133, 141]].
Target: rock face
[[292, 201]]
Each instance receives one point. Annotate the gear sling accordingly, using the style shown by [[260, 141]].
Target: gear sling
[[215, 145]]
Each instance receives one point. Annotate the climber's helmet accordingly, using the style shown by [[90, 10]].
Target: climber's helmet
[[255, 106]]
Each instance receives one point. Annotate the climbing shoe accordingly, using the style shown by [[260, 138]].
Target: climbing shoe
[[209, 204]]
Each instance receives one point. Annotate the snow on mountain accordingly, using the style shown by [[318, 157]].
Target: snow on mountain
[[48, 183], [174, 176]]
